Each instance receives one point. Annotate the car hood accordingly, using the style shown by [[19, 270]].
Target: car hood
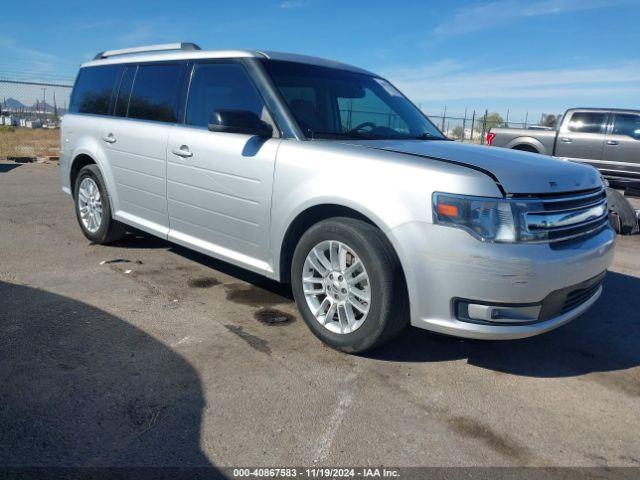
[[518, 172]]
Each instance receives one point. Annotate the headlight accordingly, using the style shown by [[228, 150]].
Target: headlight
[[516, 220], [487, 219]]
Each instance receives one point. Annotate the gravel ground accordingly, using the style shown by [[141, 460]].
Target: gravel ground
[[143, 353]]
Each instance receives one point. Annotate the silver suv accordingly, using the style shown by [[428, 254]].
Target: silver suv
[[324, 175]]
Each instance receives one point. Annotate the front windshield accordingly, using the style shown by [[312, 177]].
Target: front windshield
[[332, 103]]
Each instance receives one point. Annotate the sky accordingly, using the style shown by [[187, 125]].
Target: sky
[[527, 57]]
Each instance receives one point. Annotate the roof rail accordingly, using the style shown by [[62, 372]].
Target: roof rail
[[148, 48]]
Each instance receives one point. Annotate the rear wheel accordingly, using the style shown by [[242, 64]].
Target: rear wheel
[[525, 148], [93, 209], [348, 285]]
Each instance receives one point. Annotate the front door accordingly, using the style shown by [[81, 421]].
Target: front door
[[219, 184], [581, 138]]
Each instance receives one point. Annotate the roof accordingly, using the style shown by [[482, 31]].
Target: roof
[[155, 54], [604, 109]]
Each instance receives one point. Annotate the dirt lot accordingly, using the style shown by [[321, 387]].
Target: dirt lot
[[29, 142], [144, 353]]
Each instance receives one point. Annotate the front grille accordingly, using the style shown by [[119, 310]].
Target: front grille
[[568, 216]]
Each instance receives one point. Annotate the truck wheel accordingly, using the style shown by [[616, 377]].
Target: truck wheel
[[348, 285], [622, 215], [93, 209], [525, 148]]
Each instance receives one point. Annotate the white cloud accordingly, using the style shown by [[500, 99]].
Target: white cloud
[[455, 82], [485, 16], [289, 4]]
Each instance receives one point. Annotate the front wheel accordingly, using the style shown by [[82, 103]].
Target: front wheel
[[348, 285]]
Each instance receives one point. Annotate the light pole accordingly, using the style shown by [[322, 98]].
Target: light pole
[[44, 103]]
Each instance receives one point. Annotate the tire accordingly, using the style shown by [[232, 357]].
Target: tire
[[525, 148], [623, 217], [388, 311], [107, 230]]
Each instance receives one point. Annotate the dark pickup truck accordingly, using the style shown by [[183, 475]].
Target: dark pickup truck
[[608, 139]]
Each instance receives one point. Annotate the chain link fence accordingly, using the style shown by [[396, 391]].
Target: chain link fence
[[32, 104], [29, 118], [473, 127]]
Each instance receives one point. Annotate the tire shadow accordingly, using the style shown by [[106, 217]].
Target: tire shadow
[[82, 388], [604, 339]]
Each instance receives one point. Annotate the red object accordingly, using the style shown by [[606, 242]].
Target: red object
[[447, 210], [490, 136]]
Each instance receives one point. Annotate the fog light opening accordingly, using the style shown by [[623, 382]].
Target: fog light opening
[[476, 312]]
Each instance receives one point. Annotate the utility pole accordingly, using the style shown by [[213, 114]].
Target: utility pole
[[44, 103], [473, 123], [464, 123], [55, 107], [484, 126], [444, 116]]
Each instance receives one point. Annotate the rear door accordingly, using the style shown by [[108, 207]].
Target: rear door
[[136, 142], [219, 184], [581, 136], [621, 156]]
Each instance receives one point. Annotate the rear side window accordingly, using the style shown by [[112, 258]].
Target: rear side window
[[627, 124], [220, 86], [587, 122], [155, 93], [94, 89]]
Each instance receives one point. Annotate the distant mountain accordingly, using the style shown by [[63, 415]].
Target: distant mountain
[[12, 104], [42, 107]]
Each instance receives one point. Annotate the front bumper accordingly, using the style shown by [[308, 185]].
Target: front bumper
[[443, 265]]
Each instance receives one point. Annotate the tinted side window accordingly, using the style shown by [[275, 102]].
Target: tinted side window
[[94, 88], [587, 122], [155, 93], [122, 100], [220, 86], [627, 124]]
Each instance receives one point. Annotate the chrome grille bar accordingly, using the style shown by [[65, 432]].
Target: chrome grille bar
[[567, 217]]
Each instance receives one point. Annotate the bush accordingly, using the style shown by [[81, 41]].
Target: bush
[[7, 128]]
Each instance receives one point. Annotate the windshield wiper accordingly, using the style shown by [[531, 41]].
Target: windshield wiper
[[317, 134], [428, 136]]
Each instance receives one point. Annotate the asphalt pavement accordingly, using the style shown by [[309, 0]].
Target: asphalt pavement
[[145, 353]]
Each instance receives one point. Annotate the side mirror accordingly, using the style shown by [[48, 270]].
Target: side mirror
[[239, 121]]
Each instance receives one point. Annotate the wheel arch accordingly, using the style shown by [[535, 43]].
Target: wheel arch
[[79, 161], [524, 147], [314, 214], [532, 144]]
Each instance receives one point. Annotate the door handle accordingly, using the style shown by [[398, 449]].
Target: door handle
[[565, 140], [183, 151], [109, 138], [612, 142]]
